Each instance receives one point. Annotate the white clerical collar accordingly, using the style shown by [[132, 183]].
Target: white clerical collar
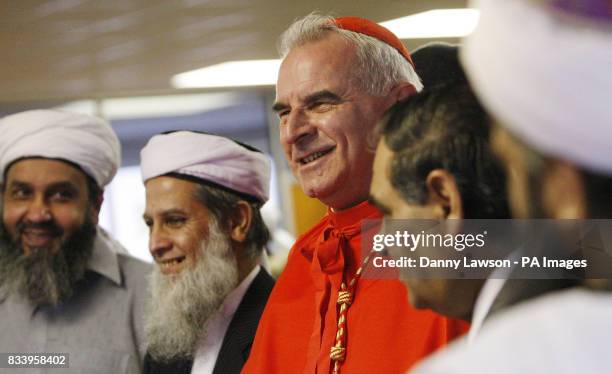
[[487, 295]]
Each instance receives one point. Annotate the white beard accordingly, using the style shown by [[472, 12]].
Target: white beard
[[182, 304]]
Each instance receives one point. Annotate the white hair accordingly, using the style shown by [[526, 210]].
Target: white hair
[[182, 305], [379, 66]]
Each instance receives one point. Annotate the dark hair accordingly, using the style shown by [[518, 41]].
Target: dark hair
[[221, 202], [598, 194], [94, 192], [437, 64], [446, 128]]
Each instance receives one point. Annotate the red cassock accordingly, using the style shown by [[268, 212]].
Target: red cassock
[[298, 328]]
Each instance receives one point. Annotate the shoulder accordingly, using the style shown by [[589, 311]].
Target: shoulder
[[263, 283], [311, 234], [133, 264], [111, 260], [134, 272], [258, 292], [572, 325]]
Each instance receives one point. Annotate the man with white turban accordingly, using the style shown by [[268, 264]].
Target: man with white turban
[[65, 285], [203, 198], [547, 83]]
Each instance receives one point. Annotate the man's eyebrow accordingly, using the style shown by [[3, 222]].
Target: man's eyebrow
[[381, 207], [277, 107], [60, 185], [18, 183], [311, 98], [322, 95], [52, 187], [165, 213], [171, 211]]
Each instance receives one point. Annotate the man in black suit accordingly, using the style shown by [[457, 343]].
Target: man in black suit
[[203, 200]]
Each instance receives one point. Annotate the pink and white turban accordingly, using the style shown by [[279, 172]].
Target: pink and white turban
[[208, 157]]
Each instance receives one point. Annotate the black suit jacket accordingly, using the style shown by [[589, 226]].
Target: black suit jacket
[[238, 339], [516, 290]]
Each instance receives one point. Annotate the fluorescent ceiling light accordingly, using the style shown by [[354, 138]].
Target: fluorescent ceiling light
[[437, 23], [154, 106], [230, 74], [166, 106], [431, 24]]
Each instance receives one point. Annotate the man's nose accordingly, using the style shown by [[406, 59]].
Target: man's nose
[[38, 211], [159, 242], [297, 127]]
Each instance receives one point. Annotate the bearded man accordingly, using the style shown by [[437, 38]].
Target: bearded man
[[204, 194], [65, 285]]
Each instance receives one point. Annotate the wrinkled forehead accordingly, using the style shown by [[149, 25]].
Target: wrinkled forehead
[[167, 192], [327, 64], [167, 186]]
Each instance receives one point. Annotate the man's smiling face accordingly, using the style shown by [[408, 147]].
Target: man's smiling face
[[326, 121], [178, 223], [45, 202]]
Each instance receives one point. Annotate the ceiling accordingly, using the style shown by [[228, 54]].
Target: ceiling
[[67, 49]]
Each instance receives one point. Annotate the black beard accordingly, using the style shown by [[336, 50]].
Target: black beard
[[46, 279]]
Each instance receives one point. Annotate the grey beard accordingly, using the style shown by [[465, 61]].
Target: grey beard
[[182, 304], [42, 278]]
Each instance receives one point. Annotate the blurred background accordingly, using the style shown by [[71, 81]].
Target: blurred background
[[158, 65]]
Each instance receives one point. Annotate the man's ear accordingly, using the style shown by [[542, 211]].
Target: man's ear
[[443, 192], [563, 193], [399, 93], [241, 221], [403, 91]]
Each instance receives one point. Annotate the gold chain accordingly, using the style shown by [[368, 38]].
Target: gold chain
[[345, 298]]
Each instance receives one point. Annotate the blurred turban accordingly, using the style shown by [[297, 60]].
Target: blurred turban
[[545, 71]]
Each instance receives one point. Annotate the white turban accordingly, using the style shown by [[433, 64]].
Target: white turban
[[547, 78], [208, 157], [84, 140]]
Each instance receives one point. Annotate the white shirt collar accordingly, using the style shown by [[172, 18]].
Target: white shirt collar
[[487, 295], [104, 257], [210, 344]]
